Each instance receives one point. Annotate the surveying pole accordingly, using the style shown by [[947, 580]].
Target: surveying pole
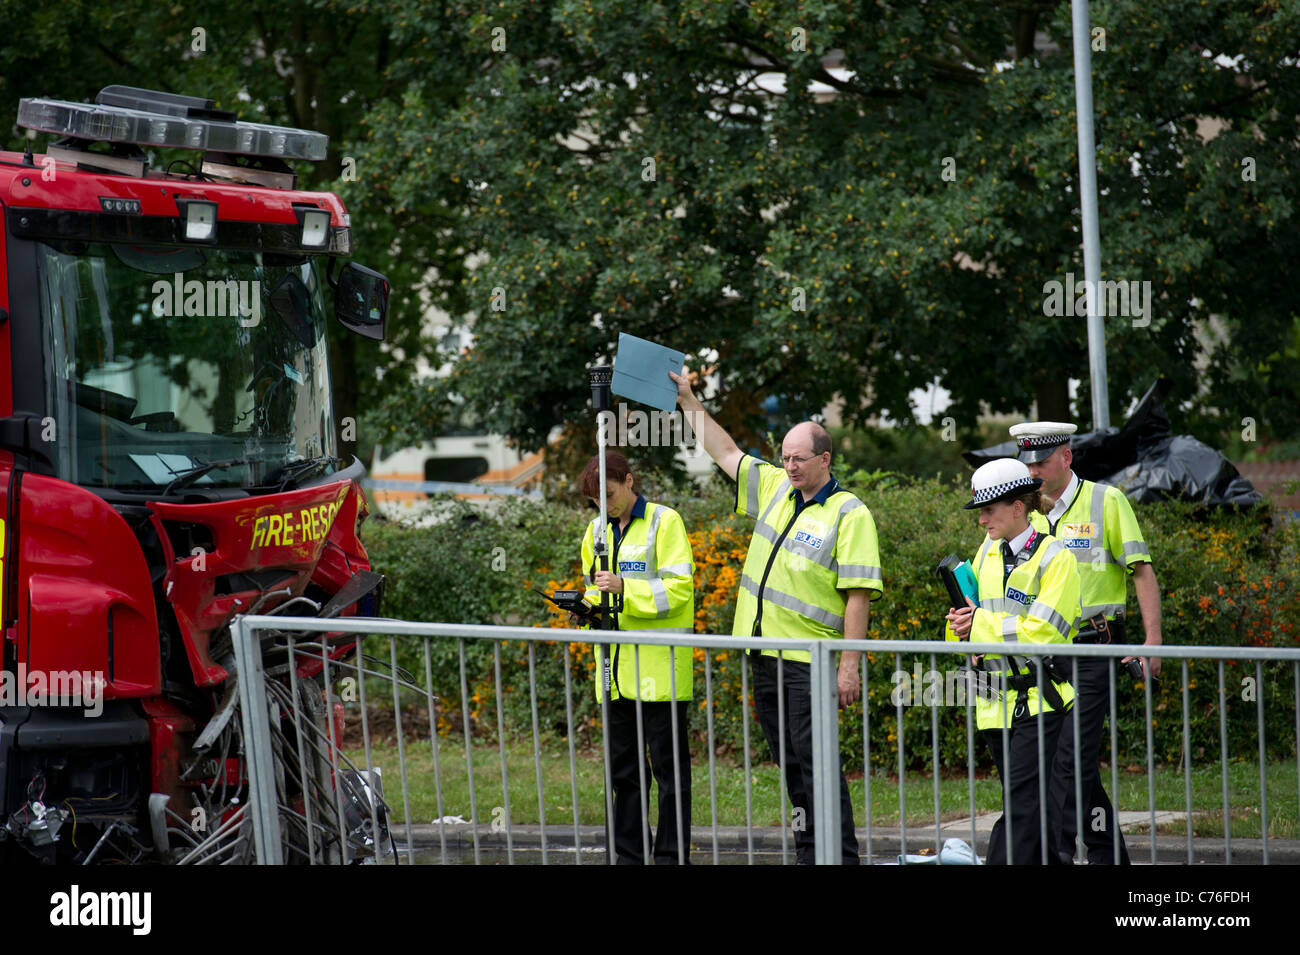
[[601, 376]]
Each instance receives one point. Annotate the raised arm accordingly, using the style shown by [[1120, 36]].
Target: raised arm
[[708, 432]]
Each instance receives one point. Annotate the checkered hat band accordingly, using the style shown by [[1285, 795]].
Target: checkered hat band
[[1043, 441], [997, 490]]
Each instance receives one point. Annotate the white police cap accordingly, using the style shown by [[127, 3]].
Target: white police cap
[[1036, 440], [1000, 480]]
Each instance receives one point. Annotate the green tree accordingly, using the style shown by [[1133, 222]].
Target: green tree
[[628, 167], [325, 65], [683, 172]]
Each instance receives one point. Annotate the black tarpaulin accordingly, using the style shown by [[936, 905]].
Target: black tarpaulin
[[1147, 461]]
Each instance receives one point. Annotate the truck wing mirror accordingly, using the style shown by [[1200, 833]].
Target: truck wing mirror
[[361, 300]]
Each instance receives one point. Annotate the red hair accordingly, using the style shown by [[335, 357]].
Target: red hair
[[616, 470]]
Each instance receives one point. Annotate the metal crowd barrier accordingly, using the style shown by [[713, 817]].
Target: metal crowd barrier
[[310, 802]]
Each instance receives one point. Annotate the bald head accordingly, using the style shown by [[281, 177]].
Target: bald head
[[816, 437]]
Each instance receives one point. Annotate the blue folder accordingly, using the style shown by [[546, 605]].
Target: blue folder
[[641, 372]]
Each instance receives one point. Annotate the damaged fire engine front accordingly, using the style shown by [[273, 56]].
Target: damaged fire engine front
[[168, 460]]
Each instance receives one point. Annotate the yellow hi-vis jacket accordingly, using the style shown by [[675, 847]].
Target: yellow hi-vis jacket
[[1038, 602], [798, 567], [653, 556], [1102, 533]]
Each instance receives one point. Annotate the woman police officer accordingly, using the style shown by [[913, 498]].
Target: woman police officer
[[1028, 593], [652, 576]]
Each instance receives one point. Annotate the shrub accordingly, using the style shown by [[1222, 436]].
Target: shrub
[[1226, 578]]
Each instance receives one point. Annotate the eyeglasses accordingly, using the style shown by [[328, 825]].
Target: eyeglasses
[[789, 459]]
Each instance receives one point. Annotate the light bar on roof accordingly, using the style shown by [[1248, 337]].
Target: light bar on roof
[[117, 124]]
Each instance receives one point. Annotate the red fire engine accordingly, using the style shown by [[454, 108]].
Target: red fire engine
[[168, 461]]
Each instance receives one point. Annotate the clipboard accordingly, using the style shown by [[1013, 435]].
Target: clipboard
[[641, 372], [959, 580]]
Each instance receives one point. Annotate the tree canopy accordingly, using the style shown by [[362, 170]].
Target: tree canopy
[[325, 65], [675, 171], [836, 198]]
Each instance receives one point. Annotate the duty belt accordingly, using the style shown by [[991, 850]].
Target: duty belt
[[1101, 630], [1021, 682]]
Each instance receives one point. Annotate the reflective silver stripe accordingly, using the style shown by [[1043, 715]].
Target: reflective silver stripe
[[823, 556], [1045, 558], [766, 532], [751, 487], [1109, 610], [1097, 510], [863, 571], [1009, 630], [1002, 605], [1051, 550], [661, 596], [849, 504], [651, 533], [793, 603], [1138, 548], [780, 494], [1008, 664], [626, 571], [675, 570], [997, 665], [1044, 612]]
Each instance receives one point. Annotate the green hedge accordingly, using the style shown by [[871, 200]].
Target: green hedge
[[1226, 578]]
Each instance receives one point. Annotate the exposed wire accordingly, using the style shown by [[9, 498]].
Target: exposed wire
[[193, 173]]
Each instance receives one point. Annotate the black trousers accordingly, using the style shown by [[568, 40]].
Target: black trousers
[[1090, 677], [798, 768], [1020, 791], [631, 826]]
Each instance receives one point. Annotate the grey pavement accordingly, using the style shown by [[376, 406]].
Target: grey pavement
[[735, 842]]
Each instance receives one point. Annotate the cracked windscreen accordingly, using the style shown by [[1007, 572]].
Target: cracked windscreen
[[166, 361]]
